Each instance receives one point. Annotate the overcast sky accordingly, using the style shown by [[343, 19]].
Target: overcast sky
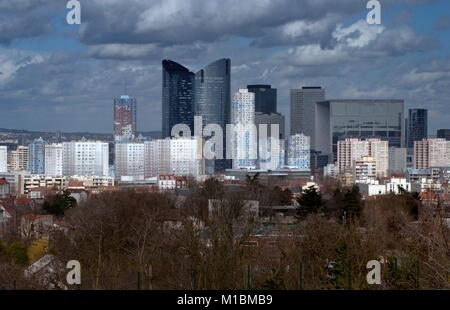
[[55, 76]]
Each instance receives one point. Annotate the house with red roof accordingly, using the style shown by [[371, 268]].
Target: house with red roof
[[5, 188]]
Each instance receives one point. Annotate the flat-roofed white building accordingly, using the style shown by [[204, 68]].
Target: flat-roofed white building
[[54, 159], [430, 153], [85, 158], [351, 150], [177, 156], [3, 159], [129, 160]]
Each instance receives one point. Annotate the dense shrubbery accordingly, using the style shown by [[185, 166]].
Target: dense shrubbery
[[118, 235]]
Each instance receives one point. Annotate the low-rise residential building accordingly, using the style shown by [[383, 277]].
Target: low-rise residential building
[[41, 181], [171, 182], [5, 188], [364, 170], [7, 214], [36, 226], [395, 185], [372, 189]]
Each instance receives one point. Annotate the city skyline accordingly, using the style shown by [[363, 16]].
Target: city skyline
[[58, 70]]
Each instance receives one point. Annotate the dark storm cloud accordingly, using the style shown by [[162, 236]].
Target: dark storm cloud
[[286, 43], [26, 18], [174, 22]]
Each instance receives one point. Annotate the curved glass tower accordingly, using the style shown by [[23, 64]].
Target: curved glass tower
[[212, 101], [177, 96]]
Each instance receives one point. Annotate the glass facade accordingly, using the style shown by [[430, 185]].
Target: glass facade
[[303, 112], [36, 157], [417, 126], [177, 97], [265, 98], [364, 119], [212, 102]]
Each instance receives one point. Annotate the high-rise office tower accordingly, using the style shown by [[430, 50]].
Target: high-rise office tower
[[129, 160], [431, 153], [85, 158], [298, 152], [269, 120], [213, 104], [177, 97], [444, 134], [417, 128], [265, 98], [303, 111], [3, 159], [245, 134], [124, 119], [36, 156], [53, 159], [350, 150], [359, 118]]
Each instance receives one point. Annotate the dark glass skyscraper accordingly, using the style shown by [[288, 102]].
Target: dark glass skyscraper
[[177, 96], [212, 101], [265, 98], [444, 134], [417, 128]]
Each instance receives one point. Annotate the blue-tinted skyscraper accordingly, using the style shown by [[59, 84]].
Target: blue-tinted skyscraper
[[36, 156], [212, 101], [177, 96], [417, 128]]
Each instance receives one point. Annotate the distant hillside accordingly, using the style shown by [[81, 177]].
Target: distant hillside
[[19, 136]]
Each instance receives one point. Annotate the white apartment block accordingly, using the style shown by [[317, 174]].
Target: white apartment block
[[430, 153], [54, 160], [364, 170], [3, 159], [18, 159], [178, 156], [245, 133], [350, 150], [28, 182], [94, 181], [129, 160], [298, 152], [90, 158], [330, 171], [394, 185], [184, 157], [157, 158]]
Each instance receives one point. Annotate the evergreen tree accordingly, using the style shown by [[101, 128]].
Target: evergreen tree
[[351, 205], [310, 202], [59, 204]]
